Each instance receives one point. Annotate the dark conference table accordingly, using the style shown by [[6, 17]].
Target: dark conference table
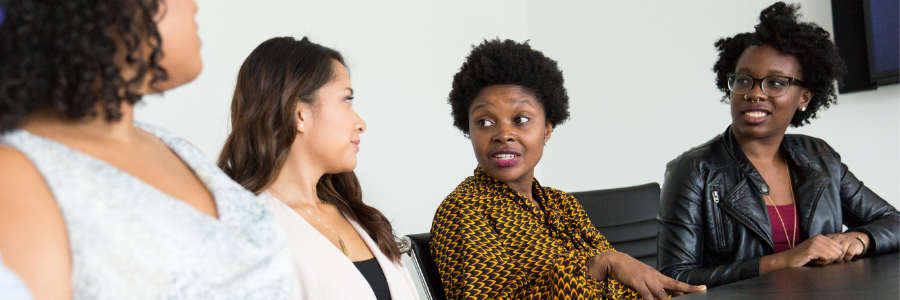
[[867, 278]]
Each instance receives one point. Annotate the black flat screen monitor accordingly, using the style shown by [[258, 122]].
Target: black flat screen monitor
[[882, 26]]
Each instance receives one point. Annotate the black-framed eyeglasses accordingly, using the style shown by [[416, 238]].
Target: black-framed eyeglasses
[[773, 85]]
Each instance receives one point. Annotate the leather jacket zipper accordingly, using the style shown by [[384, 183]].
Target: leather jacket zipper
[[743, 219], [719, 228]]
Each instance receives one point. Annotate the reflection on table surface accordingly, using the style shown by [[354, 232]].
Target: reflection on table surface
[[867, 278]]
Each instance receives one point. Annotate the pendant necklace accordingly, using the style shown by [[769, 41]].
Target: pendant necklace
[[791, 244], [333, 218]]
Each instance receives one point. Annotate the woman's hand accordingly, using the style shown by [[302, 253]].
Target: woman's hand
[[640, 277], [850, 245], [819, 248]]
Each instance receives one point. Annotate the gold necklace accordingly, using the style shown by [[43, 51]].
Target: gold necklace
[[333, 218], [793, 204]]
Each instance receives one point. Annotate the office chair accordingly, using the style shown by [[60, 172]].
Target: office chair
[[626, 217], [420, 252]]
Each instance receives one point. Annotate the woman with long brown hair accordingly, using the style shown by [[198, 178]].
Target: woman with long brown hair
[[294, 141]]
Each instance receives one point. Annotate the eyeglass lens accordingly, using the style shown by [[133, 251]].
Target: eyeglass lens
[[773, 86]]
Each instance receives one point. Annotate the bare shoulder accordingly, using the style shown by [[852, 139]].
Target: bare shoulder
[[17, 176], [33, 236]]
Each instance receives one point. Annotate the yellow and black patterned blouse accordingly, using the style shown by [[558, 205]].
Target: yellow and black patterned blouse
[[490, 242]]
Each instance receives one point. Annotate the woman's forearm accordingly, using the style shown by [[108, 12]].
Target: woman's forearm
[[771, 263]]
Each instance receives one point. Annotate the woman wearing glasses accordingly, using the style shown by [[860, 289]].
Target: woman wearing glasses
[[755, 200]]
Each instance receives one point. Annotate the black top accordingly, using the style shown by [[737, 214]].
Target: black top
[[371, 270]]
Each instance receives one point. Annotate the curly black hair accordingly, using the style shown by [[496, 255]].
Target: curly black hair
[[59, 57], [810, 44], [497, 62]]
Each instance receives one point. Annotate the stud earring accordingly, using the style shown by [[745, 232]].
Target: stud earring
[[803, 108], [301, 125]]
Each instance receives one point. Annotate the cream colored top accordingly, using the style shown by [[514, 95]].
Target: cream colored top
[[323, 271]]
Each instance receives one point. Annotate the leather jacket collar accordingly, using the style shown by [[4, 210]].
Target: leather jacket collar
[[808, 185]]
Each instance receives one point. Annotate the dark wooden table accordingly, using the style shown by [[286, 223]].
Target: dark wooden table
[[868, 278]]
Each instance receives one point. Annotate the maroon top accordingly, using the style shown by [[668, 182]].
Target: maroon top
[[778, 236]]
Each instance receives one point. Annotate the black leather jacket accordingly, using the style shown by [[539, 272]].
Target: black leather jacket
[[714, 226]]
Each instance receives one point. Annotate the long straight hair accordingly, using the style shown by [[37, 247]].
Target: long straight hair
[[277, 75]]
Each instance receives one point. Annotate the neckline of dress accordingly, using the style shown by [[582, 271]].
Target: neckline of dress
[[206, 181]]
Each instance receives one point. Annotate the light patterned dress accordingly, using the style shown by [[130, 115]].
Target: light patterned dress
[[490, 242], [129, 240]]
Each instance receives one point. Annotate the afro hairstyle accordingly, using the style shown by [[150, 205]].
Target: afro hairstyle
[[507, 62]]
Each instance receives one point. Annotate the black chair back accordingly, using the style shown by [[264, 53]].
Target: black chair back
[[626, 217], [420, 252]]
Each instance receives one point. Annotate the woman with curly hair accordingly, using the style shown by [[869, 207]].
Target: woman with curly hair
[[501, 234], [293, 142], [755, 200], [96, 206]]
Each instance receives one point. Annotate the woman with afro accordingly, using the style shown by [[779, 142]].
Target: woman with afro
[[755, 200], [501, 234]]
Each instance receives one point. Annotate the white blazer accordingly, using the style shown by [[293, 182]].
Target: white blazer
[[323, 271]]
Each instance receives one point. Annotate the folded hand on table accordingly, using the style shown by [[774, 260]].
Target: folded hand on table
[[850, 245], [820, 249]]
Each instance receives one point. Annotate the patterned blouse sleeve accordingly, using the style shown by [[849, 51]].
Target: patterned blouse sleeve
[[475, 264], [596, 243], [471, 258]]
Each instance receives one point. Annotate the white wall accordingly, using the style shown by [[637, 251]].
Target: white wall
[[627, 121], [639, 74]]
